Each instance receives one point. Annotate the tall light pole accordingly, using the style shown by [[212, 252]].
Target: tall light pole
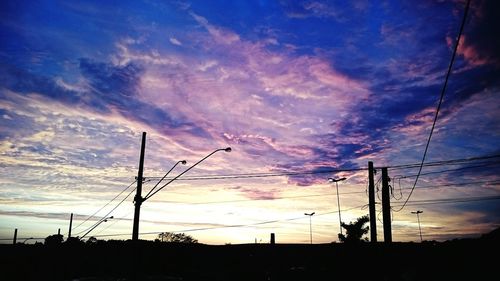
[[336, 181], [418, 219], [95, 225], [310, 225], [139, 199]]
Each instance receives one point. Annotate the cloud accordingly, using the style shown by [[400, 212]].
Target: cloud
[[307, 9], [479, 43], [174, 41], [219, 34], [258, 193]]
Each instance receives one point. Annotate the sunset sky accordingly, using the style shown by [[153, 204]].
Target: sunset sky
[[303, 87]]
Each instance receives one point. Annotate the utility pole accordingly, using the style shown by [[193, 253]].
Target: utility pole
[[138, 198], [15, 237], [371, 203], [70, 225], [386, 207]]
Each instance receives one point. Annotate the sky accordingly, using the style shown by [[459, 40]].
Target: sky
[[312, 88]]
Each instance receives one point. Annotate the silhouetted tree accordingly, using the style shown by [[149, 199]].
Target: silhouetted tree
[[355, 231], [176, 237], [55, 239]]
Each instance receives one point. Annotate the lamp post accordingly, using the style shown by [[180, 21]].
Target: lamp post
[[418, 219], [95, 225], [310, 225], [139, 199], [336, 181]]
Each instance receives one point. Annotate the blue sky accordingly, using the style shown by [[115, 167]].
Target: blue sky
[[291, 86]]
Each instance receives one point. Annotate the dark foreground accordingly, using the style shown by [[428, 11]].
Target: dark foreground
[[117, 260]]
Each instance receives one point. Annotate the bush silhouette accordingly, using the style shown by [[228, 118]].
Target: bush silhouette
[[55, 239], [176, 238]]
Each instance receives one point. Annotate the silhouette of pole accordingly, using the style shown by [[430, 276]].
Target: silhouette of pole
[[15, 237], [310, 225], [70, 225], [371, 203], [338, 198], [98, 223], [386, 207], [138, 198], [418, 219]]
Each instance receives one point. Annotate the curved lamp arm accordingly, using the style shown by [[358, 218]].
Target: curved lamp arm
[[183, 162], [227, 149]]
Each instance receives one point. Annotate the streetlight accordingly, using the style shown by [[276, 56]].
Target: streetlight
[[310, 225], [336, 181], [95, 225], [418, 219], [139, 199]]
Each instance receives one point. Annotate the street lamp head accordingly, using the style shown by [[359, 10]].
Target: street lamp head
[[336, 180], [183, 162], [227, 149], [111, 217]]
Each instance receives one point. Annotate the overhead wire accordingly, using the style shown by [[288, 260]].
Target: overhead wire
[[439, 104], [91, 216], [125, 198], [234, 225], [298, 173]]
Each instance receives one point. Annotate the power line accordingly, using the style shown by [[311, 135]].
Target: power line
[[453, 200], [484, 164], [444, 162], [130, 193], [91, 216], [416, 202], [298, 173], [439, 104], [231, 226]]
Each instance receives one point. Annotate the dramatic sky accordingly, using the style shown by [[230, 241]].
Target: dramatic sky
[[314, 88]]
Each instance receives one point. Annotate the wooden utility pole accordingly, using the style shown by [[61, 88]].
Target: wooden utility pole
[[138, 197], [386, 207], [371, 203], [15, 237]]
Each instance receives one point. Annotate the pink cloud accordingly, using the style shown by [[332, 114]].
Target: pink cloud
[[469, 52]]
